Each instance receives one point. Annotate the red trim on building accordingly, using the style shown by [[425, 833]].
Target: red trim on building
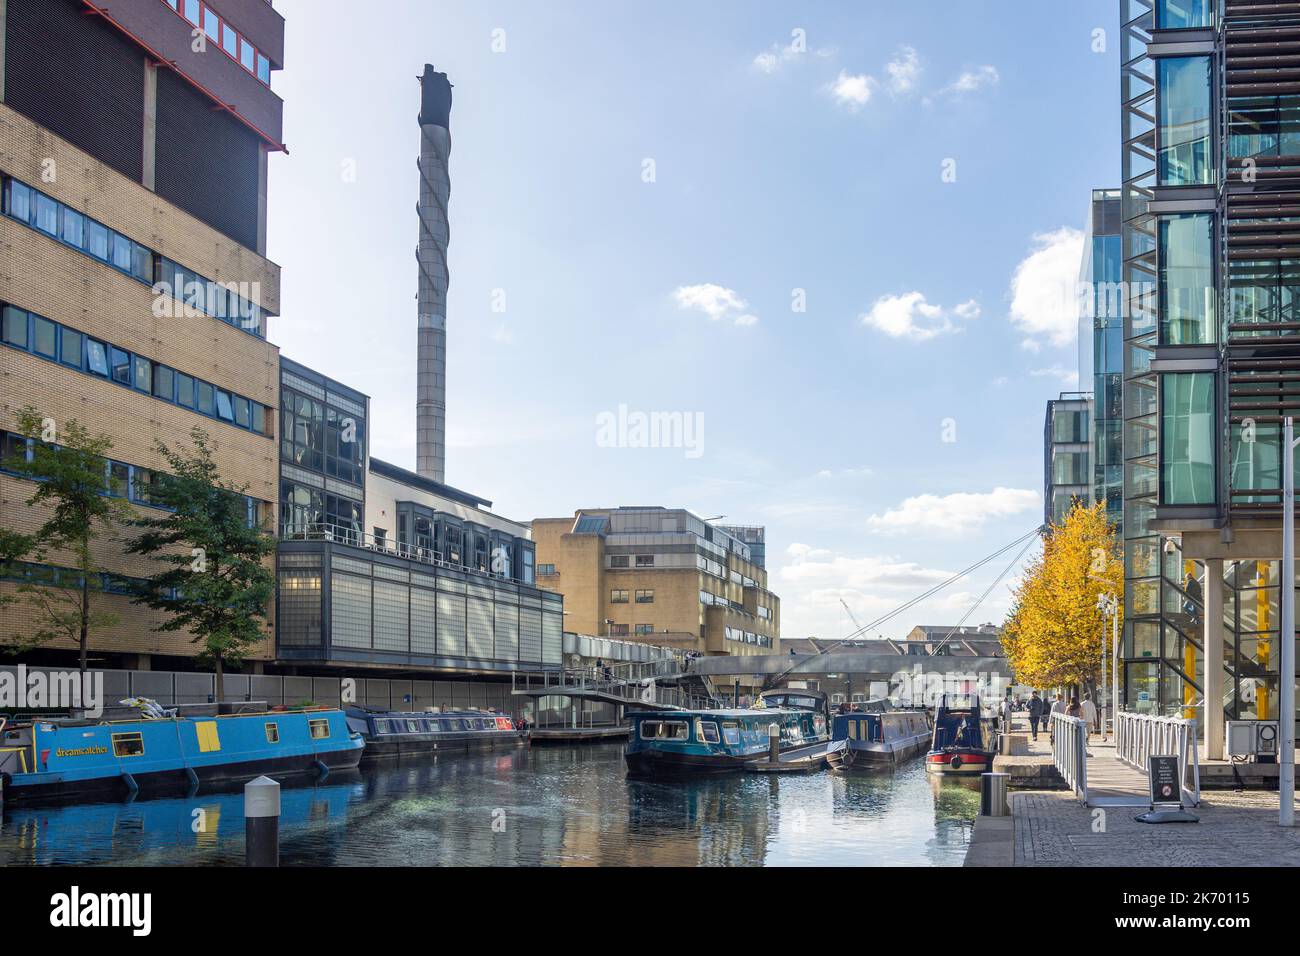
[[161, 60]]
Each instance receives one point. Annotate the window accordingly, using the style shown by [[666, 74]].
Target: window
[[272, 732], [229, 40], [644, 629], [143, 374], [1187, 438], [69, 346], [1187, 280], [43, 336], [164, 382], [192, 11], [664, 730], [97, 240], [247, 56], [224, 407], [72, 227], [1183, 109], [14, 327], [618, 630], [242, 417], [618, 561], [618, 596], [184, 390], [19, 203], [119, 479], [97, 357], [319, 727], [645, 560], [207, 399], [706, 731], [264, 69], [120, 249], [645, 596], [128, 745], [119, 364], [546, 569], [47, 214], [1184, 14], [211, 23]]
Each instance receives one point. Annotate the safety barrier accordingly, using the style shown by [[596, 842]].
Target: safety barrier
[[1070, 752], [1139, 736]]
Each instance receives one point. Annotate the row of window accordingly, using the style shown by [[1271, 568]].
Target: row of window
[[622, 630], [231, 41], [65, 345], [121, 480], [47, 575], [747, 637], [224, 301], [441, 725], [316, 436], [643, 596], [623, 561]]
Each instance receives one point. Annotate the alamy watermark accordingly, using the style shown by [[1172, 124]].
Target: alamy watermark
[[635, 429], [22, 689]]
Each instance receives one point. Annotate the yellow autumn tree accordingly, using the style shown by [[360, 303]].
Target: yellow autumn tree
[[1054, 633]]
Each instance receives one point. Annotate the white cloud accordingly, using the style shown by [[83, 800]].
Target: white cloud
[[852, 90], [1044, 289], [971, 81], [904, 71], [953, 514], [715, 301], [818, 566], [1066, 376], [845, 473], [911, 316]]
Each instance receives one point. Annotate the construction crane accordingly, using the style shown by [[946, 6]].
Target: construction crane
[[849, 612]]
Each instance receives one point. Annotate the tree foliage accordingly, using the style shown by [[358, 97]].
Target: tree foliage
[[69, 468], [1055, 633], [215, 582]]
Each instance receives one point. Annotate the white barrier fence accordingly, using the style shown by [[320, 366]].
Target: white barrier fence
[[1139, 736], [1070, 752]]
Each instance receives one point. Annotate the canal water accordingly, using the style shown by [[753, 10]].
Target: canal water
[[566, 806]]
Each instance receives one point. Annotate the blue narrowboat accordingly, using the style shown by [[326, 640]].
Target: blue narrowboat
[[401, 734], [82, 758], [876, 738], [688, 741], [964, 739]]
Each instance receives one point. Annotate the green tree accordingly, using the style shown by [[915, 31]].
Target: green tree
[[73, 482], [13, 548], [215, 584]]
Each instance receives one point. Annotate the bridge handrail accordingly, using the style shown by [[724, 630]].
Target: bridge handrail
[[1070, 752], [1139, 736]]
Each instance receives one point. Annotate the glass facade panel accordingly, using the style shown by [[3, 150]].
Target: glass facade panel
[[1187, 293], [1184, 14], [1187, 439], [1184, 156]]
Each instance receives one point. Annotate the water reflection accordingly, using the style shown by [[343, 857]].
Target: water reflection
[[566, 806]]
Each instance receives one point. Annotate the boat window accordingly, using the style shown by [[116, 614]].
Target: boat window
[[454, 725], [272, 733], [731, 733], [706, 731], [320, 728], [128, 745], [413, 726], [853, 729]]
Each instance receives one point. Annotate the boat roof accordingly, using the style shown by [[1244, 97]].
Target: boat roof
[[734, 712]]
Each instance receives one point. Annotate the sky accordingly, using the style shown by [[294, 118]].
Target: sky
[[829, 246]]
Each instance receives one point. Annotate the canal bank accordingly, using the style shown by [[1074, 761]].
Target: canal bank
[[566, 806]]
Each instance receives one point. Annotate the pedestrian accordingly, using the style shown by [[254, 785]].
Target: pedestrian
[[1058, 707], [1075, 709], [598, 669], [1037, 710], [1089, 713]]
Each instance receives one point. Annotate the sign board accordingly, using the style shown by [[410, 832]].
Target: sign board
[[1166, 789]]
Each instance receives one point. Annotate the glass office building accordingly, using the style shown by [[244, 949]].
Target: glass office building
[[1211, 266], [1101, 347], [1067, 448]]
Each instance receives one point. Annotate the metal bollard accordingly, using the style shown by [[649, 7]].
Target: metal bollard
[[262, 822], [773, 743], [993, 795]]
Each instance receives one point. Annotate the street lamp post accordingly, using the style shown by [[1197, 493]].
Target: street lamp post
[[1286, 758], [1108, 605]]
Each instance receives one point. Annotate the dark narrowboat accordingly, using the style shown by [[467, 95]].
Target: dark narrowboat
[[76, 758], [401, 734], [877, 738], [964, 739]]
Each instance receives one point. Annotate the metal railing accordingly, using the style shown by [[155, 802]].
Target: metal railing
[[1070, 752], [585, 682], [1139, 736]]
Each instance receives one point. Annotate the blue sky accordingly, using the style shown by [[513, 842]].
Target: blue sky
[[802, 147]]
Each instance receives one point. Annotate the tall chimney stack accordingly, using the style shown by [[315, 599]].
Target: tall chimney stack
[[435, 233]]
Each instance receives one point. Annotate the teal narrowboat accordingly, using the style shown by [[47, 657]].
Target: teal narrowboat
[[675, 742], [86, 759]]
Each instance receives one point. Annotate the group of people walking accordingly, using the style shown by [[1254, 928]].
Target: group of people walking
[[1042, 709]]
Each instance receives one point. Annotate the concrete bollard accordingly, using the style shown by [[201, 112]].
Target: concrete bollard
[[993, 795], [773, 743], [262, 822]]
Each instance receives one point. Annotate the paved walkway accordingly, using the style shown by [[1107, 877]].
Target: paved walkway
[[1052, 828]]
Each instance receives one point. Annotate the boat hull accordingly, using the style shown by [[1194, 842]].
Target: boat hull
[[959, 762], [857, 757], [379, 748]]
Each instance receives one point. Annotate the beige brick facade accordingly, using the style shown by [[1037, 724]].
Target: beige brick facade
[[41, 275]]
